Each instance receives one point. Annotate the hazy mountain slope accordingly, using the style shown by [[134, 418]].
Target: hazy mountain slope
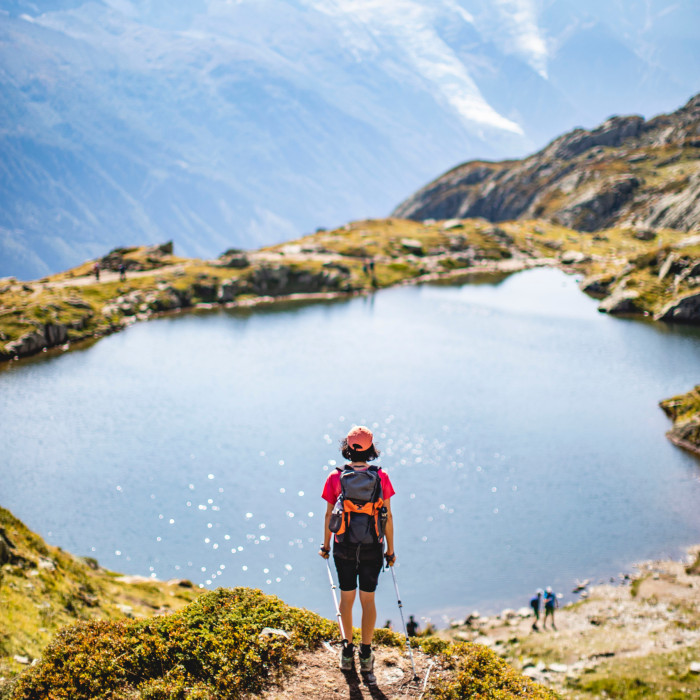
[[216, 123], [627, 171]]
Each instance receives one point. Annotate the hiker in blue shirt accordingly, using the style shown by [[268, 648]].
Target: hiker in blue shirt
[[536, 604], [550, 603]]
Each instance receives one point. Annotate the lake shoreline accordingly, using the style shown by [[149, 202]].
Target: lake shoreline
[[505, 268], [644, 630]]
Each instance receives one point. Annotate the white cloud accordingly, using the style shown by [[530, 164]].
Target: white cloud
[[406, 26], [519, 19]]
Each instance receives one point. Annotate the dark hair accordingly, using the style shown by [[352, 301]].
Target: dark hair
[[358, 455]]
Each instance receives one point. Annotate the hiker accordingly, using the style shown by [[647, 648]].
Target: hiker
[[387, 625], [96, 270], [550, 603], [536, 604], [122, 272], [358, 515], [412, 627], [371, 272]]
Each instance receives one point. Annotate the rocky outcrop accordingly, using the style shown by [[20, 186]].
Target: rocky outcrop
[[48, 336], [683, 310], [684, 411], [621, 301], [587, 180], [279, 280], [597, 207]]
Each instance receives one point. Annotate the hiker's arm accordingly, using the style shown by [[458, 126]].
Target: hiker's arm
[[389, 528], [326, 529]]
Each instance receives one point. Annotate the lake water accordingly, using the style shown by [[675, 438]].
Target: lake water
[[520, 428]]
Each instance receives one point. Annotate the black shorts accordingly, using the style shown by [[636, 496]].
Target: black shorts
[[364, 564]]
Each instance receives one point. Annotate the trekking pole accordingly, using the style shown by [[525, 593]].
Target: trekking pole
[[403, 622], [335, 600]]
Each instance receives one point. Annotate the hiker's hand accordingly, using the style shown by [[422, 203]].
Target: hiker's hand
[[390, 558], [324, 552]]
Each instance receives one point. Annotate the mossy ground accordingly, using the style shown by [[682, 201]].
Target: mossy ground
[[662, 676], [43, 588]]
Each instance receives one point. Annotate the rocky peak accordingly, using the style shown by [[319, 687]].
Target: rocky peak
[[626, 171], [612, 133]]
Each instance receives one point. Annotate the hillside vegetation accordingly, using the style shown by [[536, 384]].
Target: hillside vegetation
[[73, 631], [43, 588]]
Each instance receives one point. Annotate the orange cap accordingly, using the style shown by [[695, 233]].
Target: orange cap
[[360, 438]]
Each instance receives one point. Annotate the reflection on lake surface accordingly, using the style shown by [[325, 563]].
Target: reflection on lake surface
[[519, 426]]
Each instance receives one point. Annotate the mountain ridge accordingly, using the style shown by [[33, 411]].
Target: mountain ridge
[[216, 124], [628, 171]]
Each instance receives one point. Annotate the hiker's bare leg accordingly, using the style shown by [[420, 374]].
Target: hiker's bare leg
[[347, 598], [369, 616]]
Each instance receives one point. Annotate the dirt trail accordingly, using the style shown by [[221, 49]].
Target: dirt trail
[[317, 675], [110, 276]]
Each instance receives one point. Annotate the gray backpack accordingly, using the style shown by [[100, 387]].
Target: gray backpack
[[359, 515]]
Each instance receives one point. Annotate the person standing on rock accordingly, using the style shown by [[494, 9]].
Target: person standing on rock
[[358, 518], [96, 270], [536, 604], [550, 604]]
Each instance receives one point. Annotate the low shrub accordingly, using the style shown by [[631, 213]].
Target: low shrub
[[482, 674], [213, 646]]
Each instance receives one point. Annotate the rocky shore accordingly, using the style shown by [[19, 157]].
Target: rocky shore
[[640, 634], [633, 272]]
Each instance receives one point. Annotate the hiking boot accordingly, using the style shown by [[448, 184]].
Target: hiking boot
[[367, 665], [347, 663]]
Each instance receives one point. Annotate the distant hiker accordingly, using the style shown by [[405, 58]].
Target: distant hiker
[[122, 272], [412, 627], [96, 270], [536, 604], [358, 516], [387, 625], [550, 604], [371, 272]]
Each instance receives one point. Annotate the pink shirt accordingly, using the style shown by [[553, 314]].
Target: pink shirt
[[331, 489]]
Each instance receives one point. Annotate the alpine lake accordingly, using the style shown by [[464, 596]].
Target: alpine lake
[[519, 426]]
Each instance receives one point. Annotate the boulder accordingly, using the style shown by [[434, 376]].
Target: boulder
[[278, 280], [621, 301], [205, 290], [228, 290], [51, 334], [412, 246], [55, 334], [28, 344], [683, 310], [77, 303], [573, 257], [598, 287], [644, 234], [235, 259]]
